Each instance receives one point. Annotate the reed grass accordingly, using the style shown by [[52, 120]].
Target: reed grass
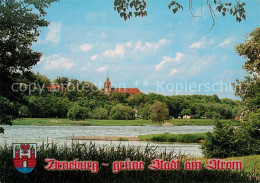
[[167, 137], [105, 154]]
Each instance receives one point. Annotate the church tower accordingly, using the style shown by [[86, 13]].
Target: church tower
[[107, 86]]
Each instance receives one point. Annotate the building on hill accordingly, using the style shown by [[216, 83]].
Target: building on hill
[[108, 89], [53, 87]]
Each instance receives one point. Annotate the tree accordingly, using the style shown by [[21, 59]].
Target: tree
[[159, 112], [76, 112], [229, 141], [61, 80], [100, 113], [186, 112], [20, 22], [128, 8], [120, 111], [249, 89], [146, 112]]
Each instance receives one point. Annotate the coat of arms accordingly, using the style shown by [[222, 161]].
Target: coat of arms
[[24, 157]]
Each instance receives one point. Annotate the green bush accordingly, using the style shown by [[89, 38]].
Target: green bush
[[226, 141], [159, 112], [167, 137], [76, 112], [100, 113], [120, 111], [24, 112]]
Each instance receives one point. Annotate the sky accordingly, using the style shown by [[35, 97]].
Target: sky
[[165, 53]]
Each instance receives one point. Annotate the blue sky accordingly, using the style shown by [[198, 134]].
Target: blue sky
[[161, 53]]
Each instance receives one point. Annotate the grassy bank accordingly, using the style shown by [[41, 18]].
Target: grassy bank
[[108, 155], [167, 137], [250, 163], [96, 122]]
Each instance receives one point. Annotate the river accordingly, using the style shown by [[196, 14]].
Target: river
[[61, 135]]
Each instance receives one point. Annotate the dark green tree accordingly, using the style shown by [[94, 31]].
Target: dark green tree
[[100, 113], [77, 112], [20, 22], [120, 111], [159, 112], [249, 89]]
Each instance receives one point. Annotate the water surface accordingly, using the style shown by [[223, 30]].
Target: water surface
[[61, 134]]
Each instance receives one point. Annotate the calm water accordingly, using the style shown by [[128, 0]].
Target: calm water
[[60, 134]]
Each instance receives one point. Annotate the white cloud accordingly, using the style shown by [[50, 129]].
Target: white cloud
[[86, 66], [94, 57], [174, 71], [85, 47], [166, 59], [200, 64], [101, 69], [118, 51], [54, 32], [203, 43], [225, 42], [57, 62], [147, 46], [196, 45], [131, 48], [129, 44]]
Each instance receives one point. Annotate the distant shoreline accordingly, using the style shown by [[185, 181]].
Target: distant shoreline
[[106, 138], [165, 137], [107, 122]]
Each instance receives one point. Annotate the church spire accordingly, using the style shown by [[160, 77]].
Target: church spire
[[107, 76]]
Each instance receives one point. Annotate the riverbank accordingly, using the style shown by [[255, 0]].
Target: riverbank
[[106, 138], [96, 122], [250, 163], [166, 137]]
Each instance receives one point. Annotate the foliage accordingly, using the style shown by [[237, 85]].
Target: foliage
[[128, 8], [24, 112], [120, 111], [57, 103], [20, 26], [100, 113], [252, 124], [250, 50], [229, 141], [61, 80], [78, 113], [110, 122], [146, 112], [8, 111], [167, 137], [226, 141], [249, 89], [159, 112]]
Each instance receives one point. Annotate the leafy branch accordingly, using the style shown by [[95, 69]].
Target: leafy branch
[[128, 8]]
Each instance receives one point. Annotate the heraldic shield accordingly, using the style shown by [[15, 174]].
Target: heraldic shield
[[24, 157]]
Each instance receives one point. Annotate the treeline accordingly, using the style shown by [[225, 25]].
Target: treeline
[[87, 101]]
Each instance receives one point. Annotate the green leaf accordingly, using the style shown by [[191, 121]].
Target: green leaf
[[122, 14], [175, 10]]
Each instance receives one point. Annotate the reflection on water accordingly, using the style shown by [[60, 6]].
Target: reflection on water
[[60, 134]]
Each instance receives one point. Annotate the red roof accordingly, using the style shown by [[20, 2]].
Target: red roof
[[126, 90], [54, 86]]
